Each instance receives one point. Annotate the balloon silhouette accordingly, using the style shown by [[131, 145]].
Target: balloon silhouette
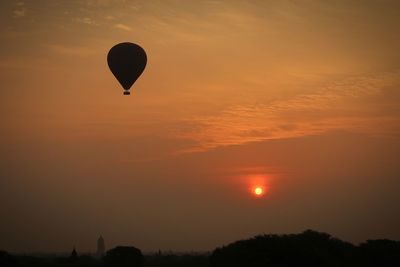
[[127, 62]]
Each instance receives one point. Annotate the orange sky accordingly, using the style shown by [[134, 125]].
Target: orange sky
[[300, 97]]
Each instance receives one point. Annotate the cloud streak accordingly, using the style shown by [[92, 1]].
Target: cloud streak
[[86, 20], [122, 27], [20, 11], [346, 105]]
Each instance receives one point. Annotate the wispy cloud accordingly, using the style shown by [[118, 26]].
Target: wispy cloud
[[86, 20], [109, 17], [122, 27], [20, 10], [103, 2], [345, 105], [72, 50]]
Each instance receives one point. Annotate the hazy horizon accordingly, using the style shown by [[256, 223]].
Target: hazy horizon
[[298, 97]]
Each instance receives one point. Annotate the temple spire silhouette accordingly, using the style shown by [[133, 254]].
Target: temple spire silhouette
[[74, 254], [100, 247]]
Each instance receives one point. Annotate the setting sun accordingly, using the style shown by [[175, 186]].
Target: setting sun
[[258, 191]]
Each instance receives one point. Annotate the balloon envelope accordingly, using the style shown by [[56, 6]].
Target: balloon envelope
[[127, 62]]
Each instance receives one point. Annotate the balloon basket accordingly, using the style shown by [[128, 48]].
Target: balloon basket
[[127, 93]]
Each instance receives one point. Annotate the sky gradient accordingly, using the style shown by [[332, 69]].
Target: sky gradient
[[300, 97]]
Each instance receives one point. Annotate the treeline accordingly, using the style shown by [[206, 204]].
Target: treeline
[[117, 257], [310, 248]]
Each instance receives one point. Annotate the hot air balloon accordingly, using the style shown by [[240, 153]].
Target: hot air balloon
[[127, 62]]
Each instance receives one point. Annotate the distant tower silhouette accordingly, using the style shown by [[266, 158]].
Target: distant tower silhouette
[[74, 254], [101, 248]]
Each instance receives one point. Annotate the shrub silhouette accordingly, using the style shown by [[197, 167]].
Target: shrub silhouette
[[309, 248], [171, 260], [123, 257], [383, 252], [6, 259]]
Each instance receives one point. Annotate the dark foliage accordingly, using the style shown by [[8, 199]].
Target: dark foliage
[[309, 248], [171, 260], [6, 259], [123, 257], [382, 252], [31, 261]]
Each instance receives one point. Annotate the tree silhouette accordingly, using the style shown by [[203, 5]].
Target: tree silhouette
[[309, 248], [383, 252], [123, 257], [6, 259]]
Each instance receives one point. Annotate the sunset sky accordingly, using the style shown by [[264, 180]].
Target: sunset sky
[[299, 97]]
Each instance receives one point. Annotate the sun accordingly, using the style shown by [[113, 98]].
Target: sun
[[258, 185], [258, 191]]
